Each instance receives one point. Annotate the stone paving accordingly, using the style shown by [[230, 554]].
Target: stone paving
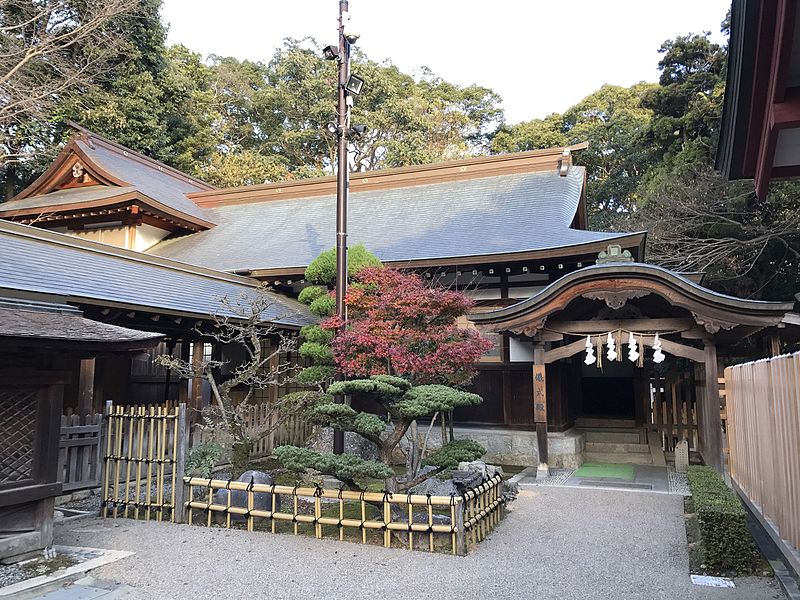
[[556, 543]]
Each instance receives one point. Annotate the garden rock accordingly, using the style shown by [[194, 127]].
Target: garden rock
[[434, 486], [261, 500], [477, 466], [465, 480]]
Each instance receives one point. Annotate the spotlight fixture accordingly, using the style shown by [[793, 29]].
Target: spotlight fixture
[[330, 52], [354, 85], [357, 131], [332, 128]]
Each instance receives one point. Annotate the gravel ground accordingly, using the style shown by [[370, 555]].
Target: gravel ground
[[556, 543]]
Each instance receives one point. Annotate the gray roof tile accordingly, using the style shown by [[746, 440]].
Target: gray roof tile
[[51, 263], [149, 177], [491, 215], [47, 321]]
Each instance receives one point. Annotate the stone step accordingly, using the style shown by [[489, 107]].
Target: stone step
[[614, 447], [612, 437], [635, 458]]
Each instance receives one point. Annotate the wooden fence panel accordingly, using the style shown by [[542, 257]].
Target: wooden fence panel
[[673, 413], [79, 452], [763, 410]]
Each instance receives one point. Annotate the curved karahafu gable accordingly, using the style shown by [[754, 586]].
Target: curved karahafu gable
[[616, 283]]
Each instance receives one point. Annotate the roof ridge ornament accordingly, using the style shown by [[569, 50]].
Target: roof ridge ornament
[[614, 254], [566, 162]]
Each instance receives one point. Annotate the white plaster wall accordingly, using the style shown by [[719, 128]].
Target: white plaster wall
[[147, 236], [115, 236], [520, 350]]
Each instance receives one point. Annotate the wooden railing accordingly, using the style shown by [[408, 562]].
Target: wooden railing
[[763, 425]]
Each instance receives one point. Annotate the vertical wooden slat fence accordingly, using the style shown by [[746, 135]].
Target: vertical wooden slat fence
[[144, 461], [763, 424], [674, 410], [80, 452], [262, 417], [411, 521]]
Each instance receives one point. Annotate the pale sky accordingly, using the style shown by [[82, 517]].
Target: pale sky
[[540, 56]]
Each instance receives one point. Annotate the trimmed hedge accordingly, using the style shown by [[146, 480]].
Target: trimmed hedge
[[725, 544]]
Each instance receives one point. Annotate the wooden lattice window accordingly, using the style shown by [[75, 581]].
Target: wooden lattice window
[[18, 417]]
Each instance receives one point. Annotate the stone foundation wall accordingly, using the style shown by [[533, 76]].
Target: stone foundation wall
[[503, 446]]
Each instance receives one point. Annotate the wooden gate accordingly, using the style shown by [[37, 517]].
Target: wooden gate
[[673, 413], [144, 462], [79, 452]]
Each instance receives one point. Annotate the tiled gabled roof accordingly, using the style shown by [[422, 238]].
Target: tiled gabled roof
[[119, 172], [505, 214], [83, 272]]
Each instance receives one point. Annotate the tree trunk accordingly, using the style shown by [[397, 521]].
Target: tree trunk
[[11, 180], [240, 457]]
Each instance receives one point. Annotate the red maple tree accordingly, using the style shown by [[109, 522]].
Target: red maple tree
[[398, 324]]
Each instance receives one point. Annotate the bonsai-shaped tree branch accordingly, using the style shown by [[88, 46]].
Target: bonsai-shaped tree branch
[[241, 323], [403, 404]]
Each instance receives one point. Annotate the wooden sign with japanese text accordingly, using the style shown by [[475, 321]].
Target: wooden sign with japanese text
[[539, 394]]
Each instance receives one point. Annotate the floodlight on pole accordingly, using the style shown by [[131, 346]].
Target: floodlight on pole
[[354, 85]]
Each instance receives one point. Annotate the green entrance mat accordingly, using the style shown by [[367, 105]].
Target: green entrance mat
[[610, 470]]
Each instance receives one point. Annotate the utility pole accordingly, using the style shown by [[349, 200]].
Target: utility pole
[[342, 186]]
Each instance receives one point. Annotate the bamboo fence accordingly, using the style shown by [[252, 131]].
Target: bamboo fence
[[418, 520], [145, 447], [763, 412]]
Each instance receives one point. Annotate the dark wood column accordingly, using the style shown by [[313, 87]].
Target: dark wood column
[[86, 387], [711, 424], [197, 382], [183, 385], [540, 406]]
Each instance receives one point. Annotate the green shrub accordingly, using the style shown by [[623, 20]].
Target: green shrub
[[315, 333], [322, 269], [309, 294], [319, 354], [315, 374], [725, 543], [324, 306], [201, 459]]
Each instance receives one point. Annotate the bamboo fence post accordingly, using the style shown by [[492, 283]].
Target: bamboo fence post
[[274, 502], [387, 518], [210, 502], [162, 452], [250, 506], [118, 454], [178, 466], [317, 514], [410, 523], [150, 455], [459, 538], [106, 471], [430, 524], [128, 456], [363, 519], [140, 441]]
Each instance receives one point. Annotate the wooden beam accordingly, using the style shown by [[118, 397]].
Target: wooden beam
[[564, 351], [649, 325]]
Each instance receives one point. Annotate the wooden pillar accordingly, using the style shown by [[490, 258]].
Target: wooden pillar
[[197, 382], [168, 374], [711, 423], [86, 386], [774, 343], [540, 408]]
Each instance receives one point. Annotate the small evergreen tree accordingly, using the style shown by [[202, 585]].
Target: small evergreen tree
[[403, 343]]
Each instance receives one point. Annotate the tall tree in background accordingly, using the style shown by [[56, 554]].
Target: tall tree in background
[[50, 50], [615, 123]]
